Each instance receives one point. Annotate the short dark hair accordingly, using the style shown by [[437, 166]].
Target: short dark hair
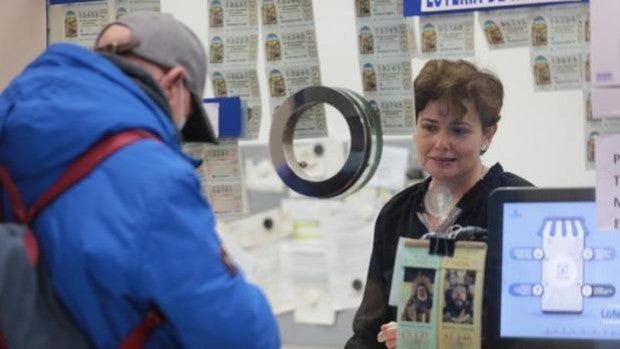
[[455, 82]]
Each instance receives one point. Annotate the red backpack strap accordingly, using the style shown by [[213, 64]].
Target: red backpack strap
[[15, 200], [140, 335], [19, 210], [79, 169]]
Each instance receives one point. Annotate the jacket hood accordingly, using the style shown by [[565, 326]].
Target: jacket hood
[[63, 102]]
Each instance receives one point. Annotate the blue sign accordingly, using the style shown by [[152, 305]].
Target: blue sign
[[431, 7]]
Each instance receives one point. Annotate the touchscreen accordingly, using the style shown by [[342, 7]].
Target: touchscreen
[[560, 275]]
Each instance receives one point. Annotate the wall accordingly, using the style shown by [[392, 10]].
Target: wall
[[540, 136], [22, 35]]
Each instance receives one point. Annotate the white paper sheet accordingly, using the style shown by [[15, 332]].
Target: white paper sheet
[[271, 277], [607, 182], [447, 35], [305, 216], [392, 170], [348, 236], [261, 176], [261, 228], [245, 261], [307, 267]]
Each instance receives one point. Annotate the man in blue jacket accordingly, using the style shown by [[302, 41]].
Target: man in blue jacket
[[136, 233]]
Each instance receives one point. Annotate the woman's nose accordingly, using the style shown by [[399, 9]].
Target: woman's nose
[[441, 140]]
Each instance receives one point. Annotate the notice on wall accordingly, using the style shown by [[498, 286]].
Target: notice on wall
[[386, 77], [286, 12], [305, 265], [386, 38], [232, 14], [554, 26], [123, 7], [506, 28], [238, 47], [81, 22], [592, 130], [560, 52], [379, 8], [608, 182], [220, 176], [557, 69], [284, 80], [295, 44], [444, 36], [388, 88], [395, 111], [260, 228], [233, 52], [347, 244], [269, 273], [291, 58], [386, 42], [78, 23]]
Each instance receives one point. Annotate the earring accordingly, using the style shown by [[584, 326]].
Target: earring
[[484, 147]]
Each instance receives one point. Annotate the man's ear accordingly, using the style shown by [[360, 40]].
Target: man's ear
[[171, 78]]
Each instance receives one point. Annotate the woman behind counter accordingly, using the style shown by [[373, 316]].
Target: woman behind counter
[[457, 111]]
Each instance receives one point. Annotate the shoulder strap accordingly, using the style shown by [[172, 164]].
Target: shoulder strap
[[79, 169], [140, 335]]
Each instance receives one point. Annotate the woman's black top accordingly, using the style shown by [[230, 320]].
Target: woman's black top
[[399, 217]]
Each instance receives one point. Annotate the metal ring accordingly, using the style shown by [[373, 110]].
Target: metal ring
[[364, 151]]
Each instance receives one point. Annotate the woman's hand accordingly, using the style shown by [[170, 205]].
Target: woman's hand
[[387, 334]]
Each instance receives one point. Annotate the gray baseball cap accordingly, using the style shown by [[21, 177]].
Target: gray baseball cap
[[165, 41]]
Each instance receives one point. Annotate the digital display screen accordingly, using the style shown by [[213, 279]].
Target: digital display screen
[[560, 275]]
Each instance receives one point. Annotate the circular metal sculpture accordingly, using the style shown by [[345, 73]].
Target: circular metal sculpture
[[364, 151]]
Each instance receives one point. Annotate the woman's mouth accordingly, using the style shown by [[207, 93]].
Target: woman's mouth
[[442, 159]]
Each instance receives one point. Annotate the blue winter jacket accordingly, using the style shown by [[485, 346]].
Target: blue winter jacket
[[137, 231]]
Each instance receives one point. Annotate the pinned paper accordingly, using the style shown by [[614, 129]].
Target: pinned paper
[[261, 176], [260, 228], [608, 182], [392, 170], [305, 216], [270, 275], [306, 265], [347, 242], [447, 35]]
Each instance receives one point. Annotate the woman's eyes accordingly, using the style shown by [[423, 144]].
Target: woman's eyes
[[429, 127], [456, 130], [459, 131]]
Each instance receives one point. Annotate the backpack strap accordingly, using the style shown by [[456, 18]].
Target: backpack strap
[[79, 169], [85, 164], [140, 335]]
